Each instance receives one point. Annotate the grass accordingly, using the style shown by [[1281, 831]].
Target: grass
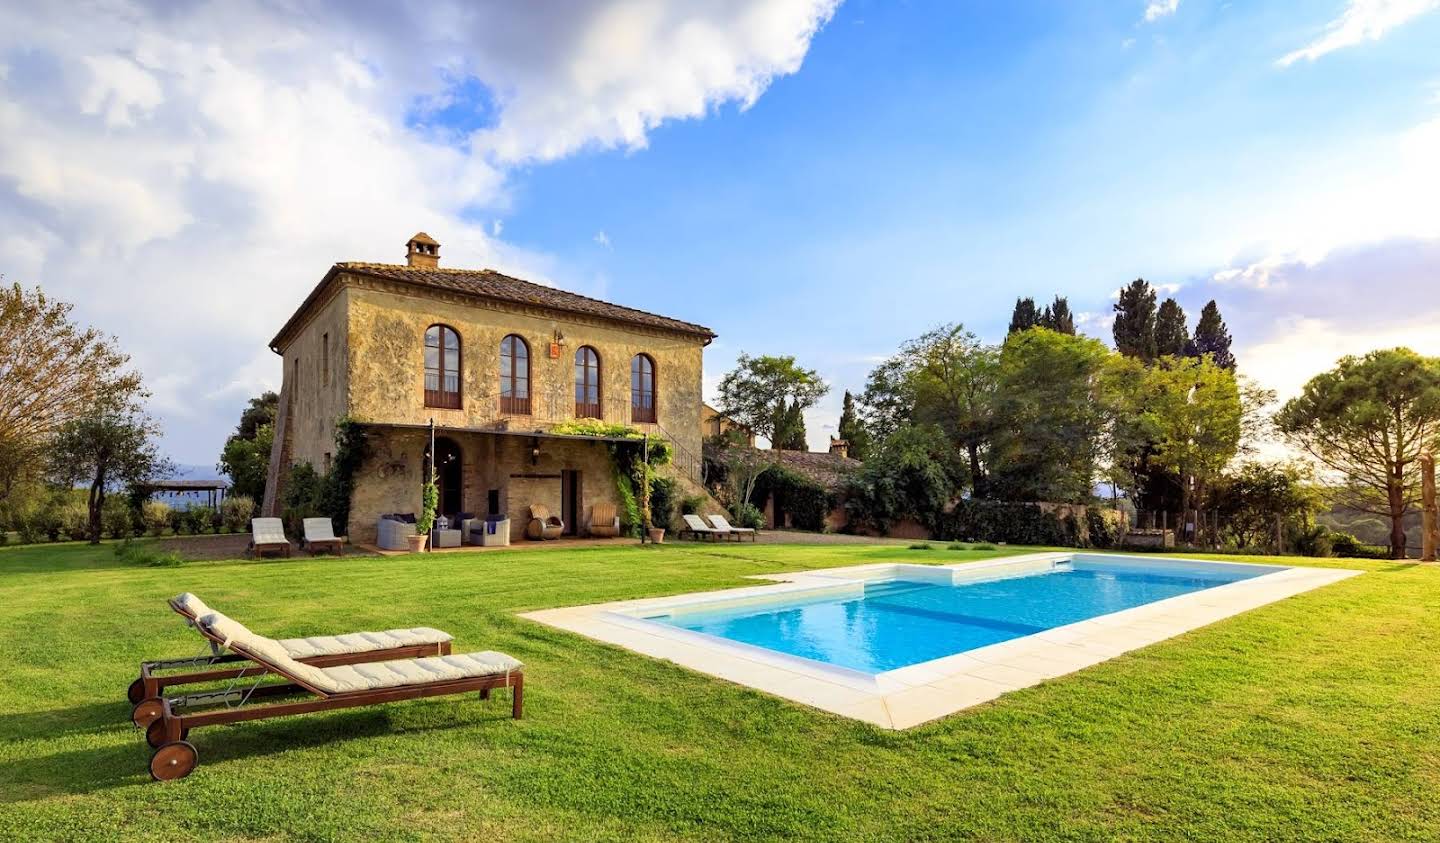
[[1315, 717]]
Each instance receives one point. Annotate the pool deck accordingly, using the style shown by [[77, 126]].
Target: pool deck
[[910, 696]]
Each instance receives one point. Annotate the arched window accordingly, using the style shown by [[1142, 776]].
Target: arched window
[[642, 389], [442, 367], [587, 383], [514, 376]]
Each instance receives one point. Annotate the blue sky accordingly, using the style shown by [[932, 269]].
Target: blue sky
[[806, 179]]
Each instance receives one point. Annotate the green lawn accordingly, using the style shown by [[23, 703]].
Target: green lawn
[[1317, 717]]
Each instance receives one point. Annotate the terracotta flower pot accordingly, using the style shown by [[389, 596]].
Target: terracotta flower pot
[[416, 542], [657, 535]]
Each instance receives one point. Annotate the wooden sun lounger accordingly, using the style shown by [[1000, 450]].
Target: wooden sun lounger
[[320, 535], [144, 693], [697, 528], [738, 532], [175, 757]]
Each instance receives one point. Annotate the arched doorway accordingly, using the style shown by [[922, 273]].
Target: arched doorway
[[449, 476]]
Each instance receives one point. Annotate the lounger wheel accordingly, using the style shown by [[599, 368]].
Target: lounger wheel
[[155, 733], [173, 761], [146, 712], [136, 691]]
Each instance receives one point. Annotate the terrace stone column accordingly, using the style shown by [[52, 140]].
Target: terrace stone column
[[1429, 517]]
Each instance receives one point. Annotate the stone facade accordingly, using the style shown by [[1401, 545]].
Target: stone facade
[[391, 478], [356, 348]]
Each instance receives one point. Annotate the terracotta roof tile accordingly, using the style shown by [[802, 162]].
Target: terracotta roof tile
[[490, 284]]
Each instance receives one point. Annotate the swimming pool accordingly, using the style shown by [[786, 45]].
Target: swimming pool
[[890, 623], [897, 644]]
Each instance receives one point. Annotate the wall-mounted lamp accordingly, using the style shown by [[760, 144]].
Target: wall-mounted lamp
[[535, 452]]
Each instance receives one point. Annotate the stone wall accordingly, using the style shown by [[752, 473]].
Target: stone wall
[[313, 390], [391, 478], [386, 359]]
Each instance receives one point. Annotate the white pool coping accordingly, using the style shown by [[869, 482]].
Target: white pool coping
[[909, 696]]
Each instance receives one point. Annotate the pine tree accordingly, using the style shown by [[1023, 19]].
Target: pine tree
[[1172, 336], [852, 431], [1025, 316], [1212, 337], [1058, 317], [1135, 321]]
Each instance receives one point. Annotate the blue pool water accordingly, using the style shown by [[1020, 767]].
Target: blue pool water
[[899, 622]]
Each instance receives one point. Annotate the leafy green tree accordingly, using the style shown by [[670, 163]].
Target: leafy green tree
[[1134, 328], [1057, 317], [1192, 414], [110, 447], [763, 393], [1212, 337], [52, 371], [852, 430], [1172, 335], [1368, 420], [1251, 498], [258, 413], [1025, 315], [945, 378], [246, 461], [914, 473], [1049, 414]]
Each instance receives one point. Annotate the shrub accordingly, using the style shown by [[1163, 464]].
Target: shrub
[[156, 515], [1350, 547], [913, 474], [146, 556], [662, 501], [76, 519], [692, 504], [29, 528], [807, 502], [1102, 529], [630, 523], [236, 512], [922, 546], [51, 523], [1313, 541], [115, 517], [1006, 521], [747, 515]]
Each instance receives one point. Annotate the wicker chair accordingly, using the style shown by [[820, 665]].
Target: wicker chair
[[543, 525], [604, 521]]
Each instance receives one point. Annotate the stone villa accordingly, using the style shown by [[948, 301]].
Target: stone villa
[[496, 362]]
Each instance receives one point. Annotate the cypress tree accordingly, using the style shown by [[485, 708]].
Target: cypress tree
[[1172, 336], [1025, 316], [851, 430], [1058, 317], [1135, 321], [1212, 337]]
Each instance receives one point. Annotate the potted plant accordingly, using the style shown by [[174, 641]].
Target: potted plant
[[430, 501]]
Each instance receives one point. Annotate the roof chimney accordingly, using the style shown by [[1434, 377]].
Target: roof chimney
[[839, 447], [422, 252]]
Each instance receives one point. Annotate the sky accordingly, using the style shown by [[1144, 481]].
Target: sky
[[805, 177]]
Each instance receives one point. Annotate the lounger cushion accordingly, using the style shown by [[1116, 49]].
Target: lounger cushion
[[362, 677], [361, 642], [267, 651], [192, 604], [398, 672]]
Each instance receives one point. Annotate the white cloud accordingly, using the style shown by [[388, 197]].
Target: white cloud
[[186, 173], [1363, 20], [1157, 9], [602, 239]]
